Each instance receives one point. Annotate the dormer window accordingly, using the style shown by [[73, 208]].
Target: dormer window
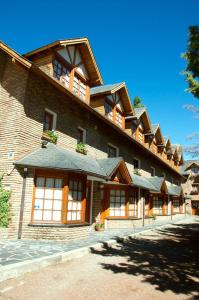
[[113, 113], [61, 73], [79, 87]]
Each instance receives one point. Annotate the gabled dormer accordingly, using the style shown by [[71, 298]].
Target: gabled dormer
[[167, 150], [71, 62], [155, 139], [180, 155], [140, 124], [112, 101], [175, 158]]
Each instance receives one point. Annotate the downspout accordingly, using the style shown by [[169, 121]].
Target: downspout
[[91, 203], [143, 210], [25, 172]]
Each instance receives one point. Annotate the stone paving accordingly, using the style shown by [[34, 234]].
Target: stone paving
[[17, 251]]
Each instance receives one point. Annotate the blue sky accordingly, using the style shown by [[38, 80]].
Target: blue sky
[[139, 42]]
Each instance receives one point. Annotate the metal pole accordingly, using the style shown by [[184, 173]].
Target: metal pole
[[23, 194], [91, 203], [143, 210]]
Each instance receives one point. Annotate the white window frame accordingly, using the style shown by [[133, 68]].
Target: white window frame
[[84, 133], [54, 117], [153, 171], [113, 146]]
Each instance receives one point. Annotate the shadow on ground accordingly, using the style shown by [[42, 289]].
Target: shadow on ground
[[170, 262]]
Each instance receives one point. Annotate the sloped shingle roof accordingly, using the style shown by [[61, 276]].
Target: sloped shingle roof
[[156, 182], [104, 88], [143, 182]]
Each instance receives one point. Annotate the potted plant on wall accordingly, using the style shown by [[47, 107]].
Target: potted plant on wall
[[81, 148], [51, 136], [99, 226]]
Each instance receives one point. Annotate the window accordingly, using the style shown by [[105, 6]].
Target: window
[[75, 197], [50, 119], [48, 199], [113, 113], [194, 170], [108, 110], [152, 171], [136, 163], [81, 135], [79, 88], [61, 73], [176, 206], [118, 119], [157, 205], [112, 151], [117, 203], [51, 205], [133, 200]]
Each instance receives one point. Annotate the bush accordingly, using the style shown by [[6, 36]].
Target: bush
[[4, 206], [81, 148], [53, 136]]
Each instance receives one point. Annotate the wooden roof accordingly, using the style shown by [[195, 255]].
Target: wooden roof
[[85, 51]]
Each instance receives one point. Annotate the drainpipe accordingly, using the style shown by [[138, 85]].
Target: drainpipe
[[143, 210], [25, 172], [139, 203], [91, 203]]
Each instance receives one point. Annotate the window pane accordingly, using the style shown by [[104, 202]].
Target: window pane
[[38, 215], [58, 194], [50, 182], [58, 183], [39, 193], [38, 203], [48, 204], [40, 182], [57, 216], [47, 215], [57, 205], [48, 194]]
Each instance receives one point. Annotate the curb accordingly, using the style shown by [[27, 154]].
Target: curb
[[18, 269]]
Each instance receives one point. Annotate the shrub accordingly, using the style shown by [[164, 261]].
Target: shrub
[[81, 148], [53, 136], [4, 205]]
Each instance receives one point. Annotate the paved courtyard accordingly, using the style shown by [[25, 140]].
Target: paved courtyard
[[17, 251], [160, 264]]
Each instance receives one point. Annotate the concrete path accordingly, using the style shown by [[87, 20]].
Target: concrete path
[[20, 256], [159, 264]]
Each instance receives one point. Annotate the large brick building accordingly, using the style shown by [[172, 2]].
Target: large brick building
[[109, 164]]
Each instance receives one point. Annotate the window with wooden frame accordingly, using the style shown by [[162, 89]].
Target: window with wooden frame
[[108, 110], [114, 113], [112, 151], [75, 209], [117, 203], [81, 135], [79, 87], [48, 199], [59, 199], [50, 119], [157, 205], [61, 73], [133, 203]]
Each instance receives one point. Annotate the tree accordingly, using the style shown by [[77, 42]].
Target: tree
[[192, 57], [192, 77], [137, 103]]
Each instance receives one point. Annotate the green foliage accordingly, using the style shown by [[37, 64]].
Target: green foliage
[[137, 103], [53, 136], [99, 226], [4, 206], [192, 57], [81, 148], [153, 216]]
